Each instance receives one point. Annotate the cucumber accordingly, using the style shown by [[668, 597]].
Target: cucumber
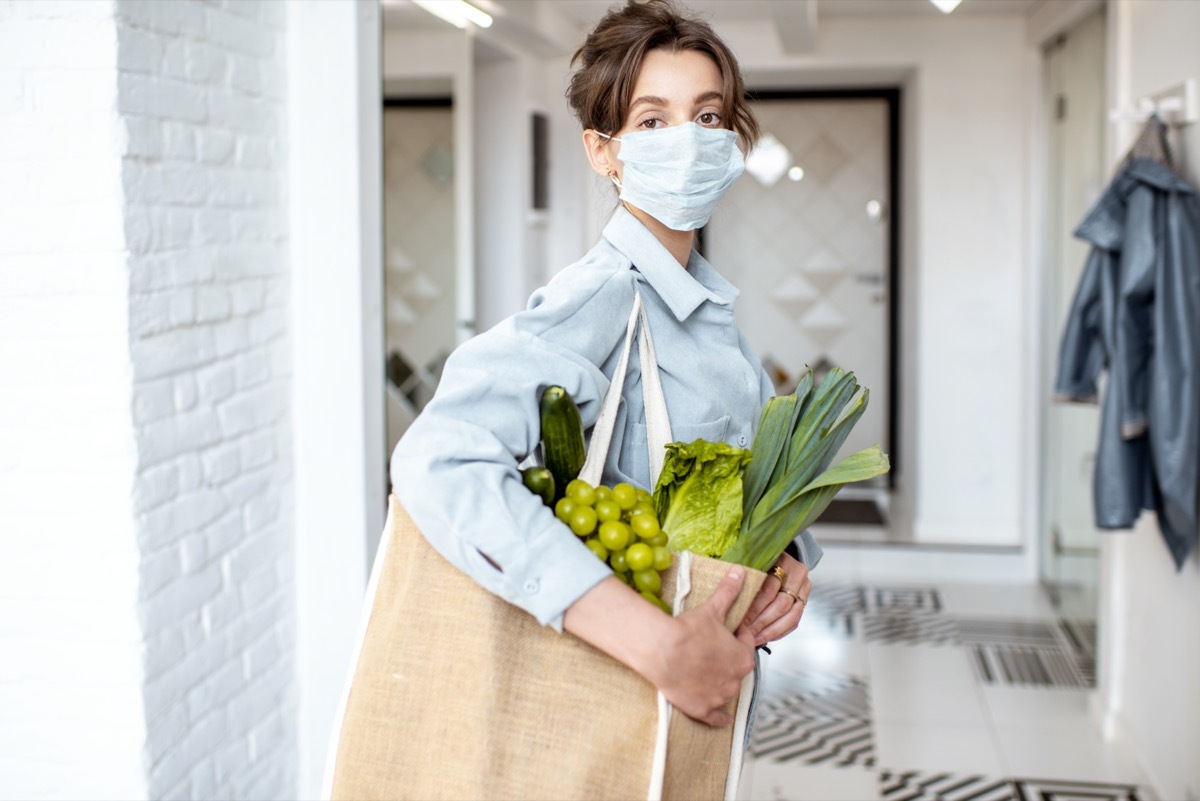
[[562, 437], [539, 481]]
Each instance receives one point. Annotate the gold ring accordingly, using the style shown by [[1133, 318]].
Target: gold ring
[[786, 591], [779, 573]]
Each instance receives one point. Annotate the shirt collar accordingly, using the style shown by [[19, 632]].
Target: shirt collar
[[682, 290]]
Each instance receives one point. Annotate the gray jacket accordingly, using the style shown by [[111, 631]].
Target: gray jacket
[[1136, 315]]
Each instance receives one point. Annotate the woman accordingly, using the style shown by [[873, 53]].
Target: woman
[[663, 109]]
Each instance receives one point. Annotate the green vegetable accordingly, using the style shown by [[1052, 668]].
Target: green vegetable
[[789, 483], [699, 496], [562, 437], [539, 481]]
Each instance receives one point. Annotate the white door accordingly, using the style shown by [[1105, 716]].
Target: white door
[[807, 240]]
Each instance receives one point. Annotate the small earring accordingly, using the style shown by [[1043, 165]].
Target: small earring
[[612, 176]]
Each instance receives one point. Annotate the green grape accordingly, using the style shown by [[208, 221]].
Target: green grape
[[647, 580], [583, 520], [597, 548], [607, 510], [662, 558], [643, 508], [612, 521], [639, 556], [615, 535], [582, 492], [645, 526], [562, 509], [625, 495]]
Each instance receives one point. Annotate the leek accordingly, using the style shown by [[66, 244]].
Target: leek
[[789, 481]]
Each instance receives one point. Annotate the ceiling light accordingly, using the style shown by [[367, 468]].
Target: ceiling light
[[769, 160], [457, 12], [946, 6]]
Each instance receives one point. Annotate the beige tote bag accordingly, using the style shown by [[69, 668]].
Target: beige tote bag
[[457, 694]]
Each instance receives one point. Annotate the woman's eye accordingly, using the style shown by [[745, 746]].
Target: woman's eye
[[651, 123], [710, 118]]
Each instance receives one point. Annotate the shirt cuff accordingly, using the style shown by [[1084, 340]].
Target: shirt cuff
[[560, 571]]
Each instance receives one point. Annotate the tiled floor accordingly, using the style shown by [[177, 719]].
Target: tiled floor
[[898, 690]]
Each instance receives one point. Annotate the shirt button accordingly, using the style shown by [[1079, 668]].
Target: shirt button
[[531, 586], [742, 440]]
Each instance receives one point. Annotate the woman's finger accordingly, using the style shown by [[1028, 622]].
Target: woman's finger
[[786, 623], [778, 609], [765, 596], [780, 628]]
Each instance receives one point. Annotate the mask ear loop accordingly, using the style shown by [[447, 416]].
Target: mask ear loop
[[612, 174]]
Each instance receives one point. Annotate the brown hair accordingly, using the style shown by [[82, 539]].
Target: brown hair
[[611, 58]]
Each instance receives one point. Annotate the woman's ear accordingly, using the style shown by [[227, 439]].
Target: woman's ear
[[599, 153]]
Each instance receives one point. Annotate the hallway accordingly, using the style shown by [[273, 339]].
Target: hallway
[[921, 691]]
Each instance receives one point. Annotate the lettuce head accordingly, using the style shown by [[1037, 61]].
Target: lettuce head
[[699, 496]]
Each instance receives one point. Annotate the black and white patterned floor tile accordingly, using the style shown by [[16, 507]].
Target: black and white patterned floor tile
[[1053, 790], [815, 719], [1035, 653], [910, 628], [1031, 653], [904, 599], [919, 786], [834, 607], [1081, 638]]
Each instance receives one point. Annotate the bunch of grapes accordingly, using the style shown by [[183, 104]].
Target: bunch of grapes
[[620, 526]]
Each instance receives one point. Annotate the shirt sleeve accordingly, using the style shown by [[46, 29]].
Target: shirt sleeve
[[455, 469]]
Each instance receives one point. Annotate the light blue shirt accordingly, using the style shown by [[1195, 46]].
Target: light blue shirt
[[455, 469]]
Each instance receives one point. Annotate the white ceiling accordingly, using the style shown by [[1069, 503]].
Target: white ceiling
[[551, 26], [585, 13], [588, 11]]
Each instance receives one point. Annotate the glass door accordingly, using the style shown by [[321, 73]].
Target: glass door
[[1076, 120]]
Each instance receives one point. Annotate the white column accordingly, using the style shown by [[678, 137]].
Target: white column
[[335, 100]]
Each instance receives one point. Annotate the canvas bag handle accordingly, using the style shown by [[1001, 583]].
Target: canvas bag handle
[[658, 426], [658, 435]]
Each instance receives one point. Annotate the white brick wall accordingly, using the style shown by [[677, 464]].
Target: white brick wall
[[71, 720], [146, 609], [201, 94]]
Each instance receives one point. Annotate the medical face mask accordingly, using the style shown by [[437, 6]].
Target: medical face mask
[[678, 175]]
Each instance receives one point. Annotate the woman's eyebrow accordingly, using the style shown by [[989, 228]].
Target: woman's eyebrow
[[649, 100], [652, 100]]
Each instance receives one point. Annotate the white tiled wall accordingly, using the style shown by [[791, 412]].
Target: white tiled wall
[[146, 471]]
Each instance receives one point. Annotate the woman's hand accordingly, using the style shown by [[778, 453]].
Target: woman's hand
[[776, 610], [693, 659], [701, 664]]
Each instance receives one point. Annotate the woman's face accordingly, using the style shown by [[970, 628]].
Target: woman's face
[[672, 88]]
